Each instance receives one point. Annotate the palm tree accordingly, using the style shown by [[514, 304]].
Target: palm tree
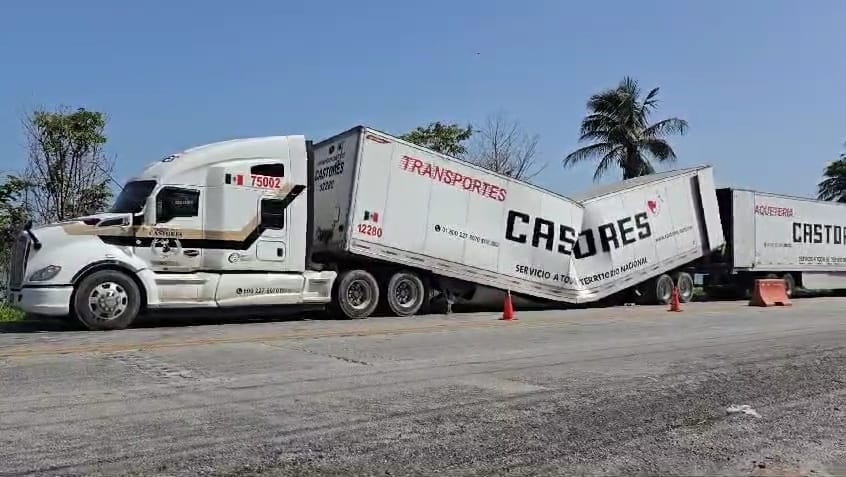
[[618, 127], [833, 186]]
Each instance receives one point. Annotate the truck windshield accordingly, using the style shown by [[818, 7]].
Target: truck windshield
[[132, 198]]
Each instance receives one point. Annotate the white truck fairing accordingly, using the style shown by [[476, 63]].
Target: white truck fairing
[[379, 197]]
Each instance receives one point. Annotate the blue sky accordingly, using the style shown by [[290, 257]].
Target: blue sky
[[761, 82]]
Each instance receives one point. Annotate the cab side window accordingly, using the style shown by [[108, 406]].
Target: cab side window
[[273, 214], [272, 210], [173, 202], [270, 170]]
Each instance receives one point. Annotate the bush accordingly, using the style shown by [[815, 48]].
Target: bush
[[10, 314]]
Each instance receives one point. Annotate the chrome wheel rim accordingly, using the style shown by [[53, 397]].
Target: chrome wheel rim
[[108, 301], [665, 289], [685, 289]]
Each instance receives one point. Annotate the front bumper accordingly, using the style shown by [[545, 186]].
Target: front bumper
[[51, 301]]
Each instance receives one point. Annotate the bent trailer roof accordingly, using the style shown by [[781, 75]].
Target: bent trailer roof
[[603, 190], [361, 128]]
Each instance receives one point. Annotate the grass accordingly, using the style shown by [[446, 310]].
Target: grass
[[9, 314]]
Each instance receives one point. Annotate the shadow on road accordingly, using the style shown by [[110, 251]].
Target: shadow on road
[[181, 318], [173, 318], [210, 317], [39, 325]]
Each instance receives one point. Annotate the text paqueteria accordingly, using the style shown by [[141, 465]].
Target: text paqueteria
[[761, 209], [453, 178]]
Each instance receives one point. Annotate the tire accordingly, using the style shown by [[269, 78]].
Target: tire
[[684, 282], [356, 294], [107, 300], [789, 284], [662, 289], [406, 293]]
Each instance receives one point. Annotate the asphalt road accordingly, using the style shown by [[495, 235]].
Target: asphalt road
[[607, 391]]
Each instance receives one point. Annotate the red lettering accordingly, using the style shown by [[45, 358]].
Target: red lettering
[[493, 191], [452, 178], [773, 211], [405, 161], [439, 173], [417, 165]]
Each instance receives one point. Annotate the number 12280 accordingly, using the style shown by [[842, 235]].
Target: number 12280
[[371, 230]]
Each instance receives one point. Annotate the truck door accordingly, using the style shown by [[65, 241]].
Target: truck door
[[173, 243], [272, 243], [271, 246]]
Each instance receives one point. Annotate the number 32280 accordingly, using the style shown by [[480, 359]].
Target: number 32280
[[371, 230]]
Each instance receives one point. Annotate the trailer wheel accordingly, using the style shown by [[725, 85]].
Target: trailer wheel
[[686, 288], [406, 293], [107, 300], [789, 284], [662, 289], [356, 294]]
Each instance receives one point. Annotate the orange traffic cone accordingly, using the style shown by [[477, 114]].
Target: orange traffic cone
[[675, 302], [508, 308]]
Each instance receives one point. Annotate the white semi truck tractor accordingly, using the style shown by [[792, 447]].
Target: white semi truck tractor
[[217, 226]]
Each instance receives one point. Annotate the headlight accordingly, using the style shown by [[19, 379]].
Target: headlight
[[45, 273]]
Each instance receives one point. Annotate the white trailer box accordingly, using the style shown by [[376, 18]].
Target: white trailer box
[[650, 227], [801, 239], [379, 199]]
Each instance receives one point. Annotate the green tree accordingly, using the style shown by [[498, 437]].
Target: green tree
[[67, 173], [447, 139], [621, 135], [833, 185], [13, 216]]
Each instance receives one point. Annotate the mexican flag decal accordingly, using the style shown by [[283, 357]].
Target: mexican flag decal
[[237, 179], [371, 216]]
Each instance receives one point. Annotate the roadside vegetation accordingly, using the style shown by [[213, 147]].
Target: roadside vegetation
[[9, 314]]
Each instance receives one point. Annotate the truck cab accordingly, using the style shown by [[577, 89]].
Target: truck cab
[[218, 226]]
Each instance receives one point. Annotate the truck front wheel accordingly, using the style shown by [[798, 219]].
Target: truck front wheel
[[356, 294], [406, 293], [107, 300]]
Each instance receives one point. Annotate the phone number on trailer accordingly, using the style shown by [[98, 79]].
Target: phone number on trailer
[[465, 235]]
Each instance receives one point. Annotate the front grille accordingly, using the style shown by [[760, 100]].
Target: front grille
[[17, 267]]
